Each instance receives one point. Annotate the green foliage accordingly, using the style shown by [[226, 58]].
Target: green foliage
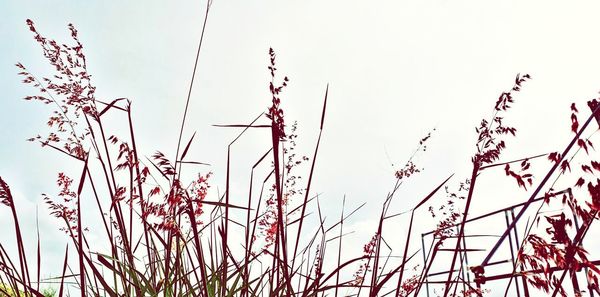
[[49, 292], [7, 291]]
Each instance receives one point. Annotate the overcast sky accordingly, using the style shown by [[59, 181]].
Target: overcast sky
[[396, 70]]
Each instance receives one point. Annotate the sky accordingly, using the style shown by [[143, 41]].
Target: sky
[[396, 70]]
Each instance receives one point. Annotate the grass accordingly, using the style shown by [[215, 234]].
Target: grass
[[164, 237]]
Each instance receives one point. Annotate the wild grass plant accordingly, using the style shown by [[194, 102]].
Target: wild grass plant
[[165, 237]]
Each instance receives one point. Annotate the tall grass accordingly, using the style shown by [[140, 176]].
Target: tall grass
[[164, 237]]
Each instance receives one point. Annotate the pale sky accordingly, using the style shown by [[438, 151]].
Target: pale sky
[[396, 70]]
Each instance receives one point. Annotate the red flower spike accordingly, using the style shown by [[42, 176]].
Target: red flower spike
[[581, 144], [574, 123], [573, 108], [564, 166]]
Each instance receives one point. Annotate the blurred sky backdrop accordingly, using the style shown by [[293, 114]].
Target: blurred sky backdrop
[[396, 70]]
